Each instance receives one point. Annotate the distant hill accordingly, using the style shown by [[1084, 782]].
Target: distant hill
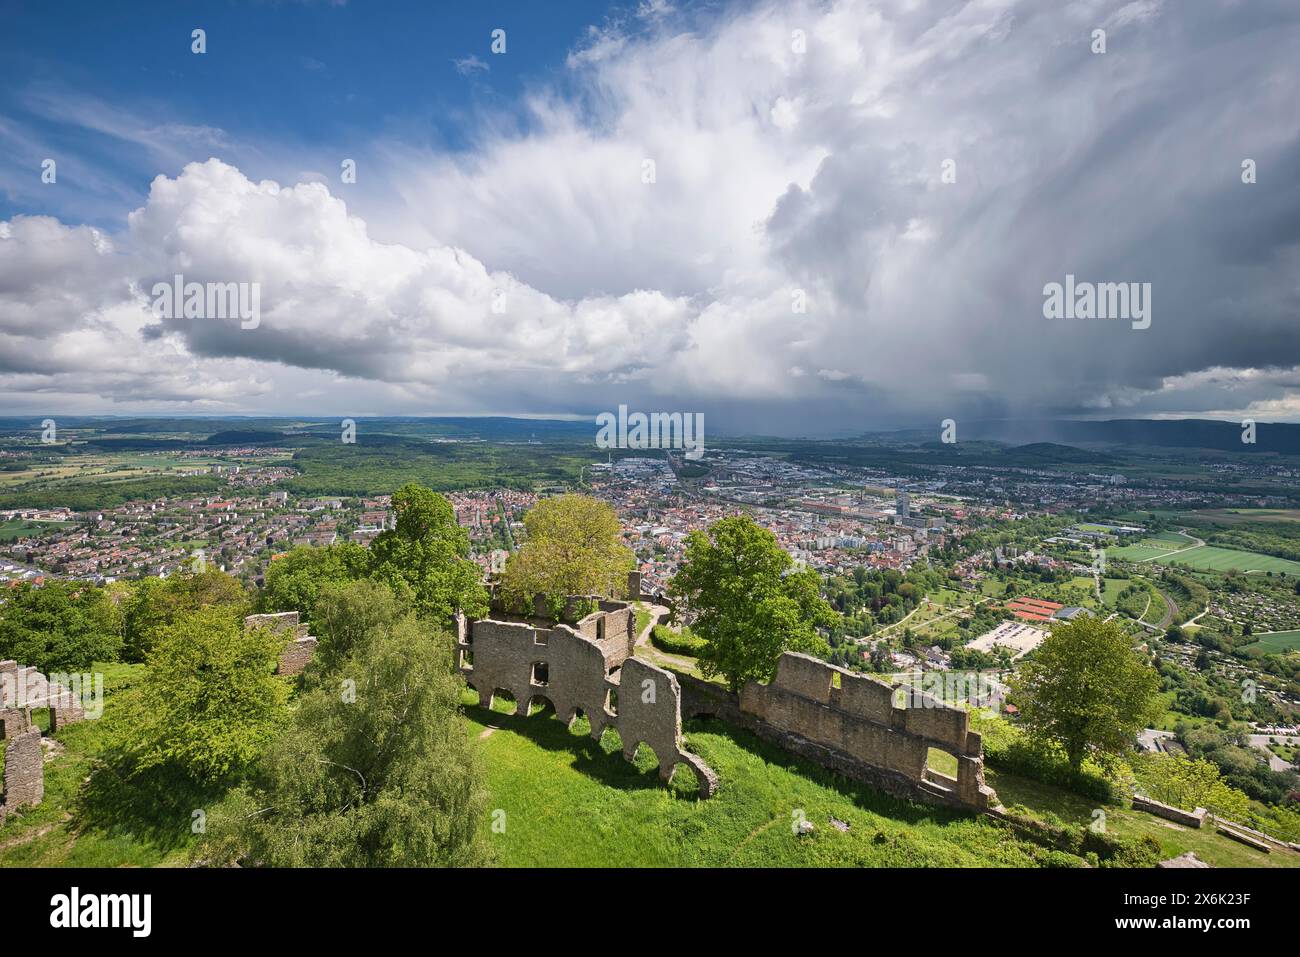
[[1275, 437], [1055, 454], [240, 437]]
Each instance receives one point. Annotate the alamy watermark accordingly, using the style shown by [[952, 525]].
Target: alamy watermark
[[950, 689], [179, 299], [26, 688], [1101, 300], [658, 430]]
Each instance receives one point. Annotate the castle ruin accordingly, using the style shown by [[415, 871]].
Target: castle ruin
[[301, 647], [23, 690], [588, 669], [858, 726]]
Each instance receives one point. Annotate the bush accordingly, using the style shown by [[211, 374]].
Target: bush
[[1189, 783], [675, 643]]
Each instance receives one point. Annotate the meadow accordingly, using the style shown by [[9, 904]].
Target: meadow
[[1202, 557], [1276, 643]]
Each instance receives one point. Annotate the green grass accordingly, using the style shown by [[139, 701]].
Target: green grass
[[1205, 557], [1275, 643], [1174, 839], [1137, 553], [571, 802], [1176, 538], [1213, 558], [17, 528], [643, 617], [1110, 589]]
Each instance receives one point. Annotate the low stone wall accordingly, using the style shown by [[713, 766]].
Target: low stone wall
[[579, 673], [1188, 818], [24, 778], [23, 690], [302, 646], [856, 725]]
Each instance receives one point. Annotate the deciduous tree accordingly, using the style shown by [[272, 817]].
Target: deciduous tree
[[744, 598], [574, 546], [1086, 689], [428, 552]]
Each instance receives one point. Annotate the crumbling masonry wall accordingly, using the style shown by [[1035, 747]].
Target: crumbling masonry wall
[[587, 669], [21, 691], [857, 725], [301, 647]]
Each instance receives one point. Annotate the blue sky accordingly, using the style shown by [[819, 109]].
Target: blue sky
[[313, 75], [790, 215]]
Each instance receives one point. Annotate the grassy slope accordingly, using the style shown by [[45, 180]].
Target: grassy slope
[[570, 802], [1276, 642], [1211, 847]]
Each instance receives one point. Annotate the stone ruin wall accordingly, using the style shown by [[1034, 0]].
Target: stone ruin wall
[[23, 690], [587, 668], [856, 727], [301, 647]]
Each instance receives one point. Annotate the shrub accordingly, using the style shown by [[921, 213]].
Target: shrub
[[675, 643], [1008, 748]]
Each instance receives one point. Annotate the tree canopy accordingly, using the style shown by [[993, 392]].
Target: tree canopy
[[428, 552], [573, 546], [155, 604], [743, 597], [295, 579], [1086, 689], [61, 626], [209, 701]]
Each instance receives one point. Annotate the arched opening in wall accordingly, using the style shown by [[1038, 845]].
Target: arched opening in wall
[[611, 702], [503, 701], [580, 725], [41, 718], [541, 706], [642, 757], [941, 767], [466, 658], [684, 783]]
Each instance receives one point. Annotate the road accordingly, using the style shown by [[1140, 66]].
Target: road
[[1261, 741]]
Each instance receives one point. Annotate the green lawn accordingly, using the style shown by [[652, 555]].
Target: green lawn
[[17, 528], [1137, 553], [1217, 559], [570, 802]]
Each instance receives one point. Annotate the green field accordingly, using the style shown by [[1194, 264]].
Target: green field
[[1139, 552], [1275, 643], [1213, 558], [17, 528], [1174, 538], [569, 801], [1204, 557]]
